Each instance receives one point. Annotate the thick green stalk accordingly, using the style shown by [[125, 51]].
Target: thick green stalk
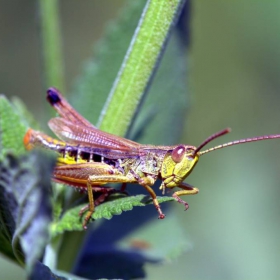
[[139, 64], [51, 42]]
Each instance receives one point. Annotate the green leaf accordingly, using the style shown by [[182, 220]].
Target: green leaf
[[72, 221], [139, 65], [26, 203], [12, 128], [161, 118], [137, 69], [25, 116], [99, 72], [5, 238]]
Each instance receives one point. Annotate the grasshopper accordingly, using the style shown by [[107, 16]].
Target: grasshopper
[[89, 158]]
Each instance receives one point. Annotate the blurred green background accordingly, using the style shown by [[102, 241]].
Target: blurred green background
[[234, 65]]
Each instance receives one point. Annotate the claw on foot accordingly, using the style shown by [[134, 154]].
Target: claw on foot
[[178, 199], [87, 215], [161, 216]]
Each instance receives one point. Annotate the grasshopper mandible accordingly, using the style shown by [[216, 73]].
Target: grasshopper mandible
[[90, 158]]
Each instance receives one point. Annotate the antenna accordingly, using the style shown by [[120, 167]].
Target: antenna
[[237, 142], [210, 138]]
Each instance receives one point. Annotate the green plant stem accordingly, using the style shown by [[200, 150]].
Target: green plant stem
[[53, 69], [51, 42], [140, 62]]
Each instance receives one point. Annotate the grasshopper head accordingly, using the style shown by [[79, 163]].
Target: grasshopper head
[[178, 164]]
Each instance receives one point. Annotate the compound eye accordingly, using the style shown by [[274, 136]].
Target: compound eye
[[178, 153]]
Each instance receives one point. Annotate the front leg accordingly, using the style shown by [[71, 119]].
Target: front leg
[[147, 182], [187, 190], [155, 201]]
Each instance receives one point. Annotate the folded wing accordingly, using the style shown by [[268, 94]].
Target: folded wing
[[93, 139]]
